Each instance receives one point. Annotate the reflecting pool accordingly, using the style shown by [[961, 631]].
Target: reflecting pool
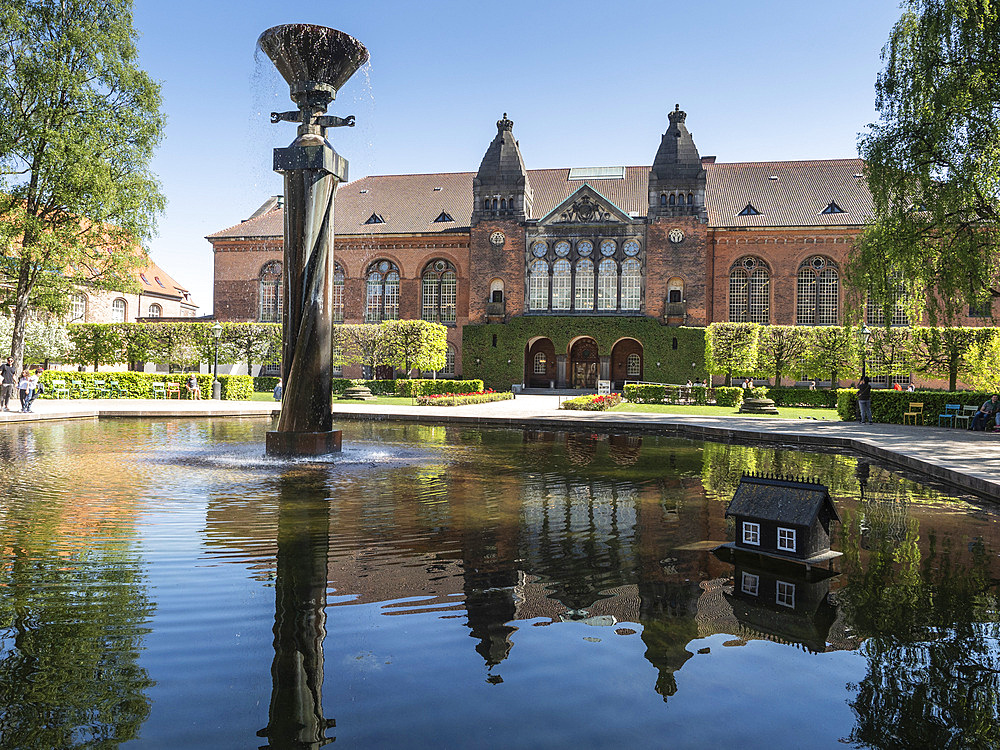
[[163, 584]]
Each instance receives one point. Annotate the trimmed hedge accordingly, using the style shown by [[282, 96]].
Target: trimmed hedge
[[682, 394], [411, 388], [460, 399], [140, 384], [592, 403], [265, 383], [888, 406], [785, 396], [732, 396]]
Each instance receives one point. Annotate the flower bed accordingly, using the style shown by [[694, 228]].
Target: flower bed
[[460, 399], [592, 403]]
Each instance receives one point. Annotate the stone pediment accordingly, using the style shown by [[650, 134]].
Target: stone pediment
[[585, 206]]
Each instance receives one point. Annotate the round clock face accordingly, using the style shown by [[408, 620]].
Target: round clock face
[[562, 249], [497, 238], [675, 236], [607, 248], [539, 249], [631, 247], [585, 247]]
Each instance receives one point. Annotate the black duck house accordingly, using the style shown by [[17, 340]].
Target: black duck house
[[784, 518]]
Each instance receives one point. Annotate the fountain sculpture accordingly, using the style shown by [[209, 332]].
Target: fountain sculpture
[[316, 62]]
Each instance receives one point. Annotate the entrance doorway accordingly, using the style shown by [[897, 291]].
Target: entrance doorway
[[584, 363]]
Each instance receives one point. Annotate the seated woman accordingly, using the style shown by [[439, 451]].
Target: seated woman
[[193, 389]]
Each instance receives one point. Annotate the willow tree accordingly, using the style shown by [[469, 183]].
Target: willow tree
[[78, 125], [932, 161]]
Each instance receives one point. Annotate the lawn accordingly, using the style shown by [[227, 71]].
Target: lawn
[[784, 412]]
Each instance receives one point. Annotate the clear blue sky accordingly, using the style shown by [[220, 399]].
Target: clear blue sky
[[586, 84]]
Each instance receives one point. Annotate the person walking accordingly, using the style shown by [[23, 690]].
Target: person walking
[[8, 382], [23, 384], [865, 400]]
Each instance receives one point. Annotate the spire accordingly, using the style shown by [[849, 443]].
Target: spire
[[677, 155], [677, 177], [502, 179]]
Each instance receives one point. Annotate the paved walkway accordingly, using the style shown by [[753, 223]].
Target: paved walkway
[[969, 460]]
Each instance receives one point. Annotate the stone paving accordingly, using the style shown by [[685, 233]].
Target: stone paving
[[968, 460]]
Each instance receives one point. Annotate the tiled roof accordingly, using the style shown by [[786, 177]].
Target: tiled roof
[[410, 203], [154, 280]]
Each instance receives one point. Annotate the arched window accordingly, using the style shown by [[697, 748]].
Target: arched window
[[540, 363], [270, 292], [78, 308], [538, 286], [631, 284], [663, 199], [338, 293], [562, 282], [875, 315], [439, 292], [382, 296], [607, 285], [155, 311], [749, 291], [680, 199], [496, 290], [119, 311], [584, 298], [449, 362], [673, 199], [690, 199], [503, 204], [818, 292], [633, 366]]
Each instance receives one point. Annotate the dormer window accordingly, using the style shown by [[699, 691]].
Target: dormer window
[[832, 208], [375, 219], [749, 211], [443, 216]]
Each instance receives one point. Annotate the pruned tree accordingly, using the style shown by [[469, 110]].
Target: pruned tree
[[890, 351], [942, 351], [415, 344], [46, 339], [781, 349], [360, 344], [247, 342], [981, 371], [78, 125], [97, 344], [830, 350], [731, 347]]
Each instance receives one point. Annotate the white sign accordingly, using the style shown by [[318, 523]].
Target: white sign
[[603, 387]]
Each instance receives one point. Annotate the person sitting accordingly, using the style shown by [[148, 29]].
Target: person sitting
[[987, 412], [193, 389]]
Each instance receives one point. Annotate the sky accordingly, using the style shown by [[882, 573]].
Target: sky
[[586, 84]]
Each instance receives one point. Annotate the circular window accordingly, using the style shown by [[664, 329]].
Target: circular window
[[608, 248], [562, 249], [440, 265], [631, 247], [818, 262], [539, 249], [383, 266], [749, 262], [585, 247]]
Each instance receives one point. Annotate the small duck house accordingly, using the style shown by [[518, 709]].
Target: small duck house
[[783, 517]]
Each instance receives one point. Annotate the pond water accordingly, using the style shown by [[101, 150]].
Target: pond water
[[163, 584]]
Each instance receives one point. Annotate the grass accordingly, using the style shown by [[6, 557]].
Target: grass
[[784, 412]]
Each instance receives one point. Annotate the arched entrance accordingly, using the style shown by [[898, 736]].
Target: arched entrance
[[584, 363], [626, 362], [540, 364]]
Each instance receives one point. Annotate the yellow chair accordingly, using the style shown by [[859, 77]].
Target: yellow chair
[[915, 415]]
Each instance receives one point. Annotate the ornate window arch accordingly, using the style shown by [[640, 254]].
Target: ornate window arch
[[633, 365], [338, 293], [584, 294], [270, 298], [749, 291], [631, 294], [78, 308], [538, 286], [818, 302], [119, 310], [382, 292], [439, 292], [607, 285], [155, 311], [539, 364]]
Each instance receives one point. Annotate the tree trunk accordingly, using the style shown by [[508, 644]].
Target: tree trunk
[[952, 375], [777, 378], [21, 311], [834, 383]]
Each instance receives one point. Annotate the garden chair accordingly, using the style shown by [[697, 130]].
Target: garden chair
[[159, 390], [114, 390], [60, 389], [950, 412], [966, 415], [78, 389], [915, 415], [173, 389], [99, 389]]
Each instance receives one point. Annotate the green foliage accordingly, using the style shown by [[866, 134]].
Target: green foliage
[[377, 387], [97, 344], [427, 387], [933, 160], [79, 122], [981, 370], [592, 403], [782, 349], [502, 363], [831, 350], [638, 393], [140, 384], [728, 396], [731, 348], [360, 344], [234, 387], [889, 405], [462, 399], [416, 344], [891, 351], [266, 383], [942, 351], [803, 397]]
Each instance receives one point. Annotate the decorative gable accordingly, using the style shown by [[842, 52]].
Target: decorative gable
[[585, 206]]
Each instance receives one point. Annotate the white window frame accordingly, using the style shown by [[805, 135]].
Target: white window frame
[[540, 363], [119, 310], [750, 584], [784, 594], [784, 534], [751, 533]]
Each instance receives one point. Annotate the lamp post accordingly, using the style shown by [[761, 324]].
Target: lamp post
[[216, 385], [865, 336]]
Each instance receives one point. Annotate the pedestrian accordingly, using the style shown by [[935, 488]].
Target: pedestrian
[[23, 384], [34, 388], [277, 391], [812, 385], [865, 400], [910, 388], [8, 383]]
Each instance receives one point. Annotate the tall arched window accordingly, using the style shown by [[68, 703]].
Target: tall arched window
[[119, 311], [631, 284], [875, 314], [818, 292], [562, 283], [270, 292], [539, 365], [538, 286], [607, 285], [439, 292], [78, 308], [155, 311], [449, 362], [584, 297], [382, 297], [338, 293], [633, 366], [749, 291]]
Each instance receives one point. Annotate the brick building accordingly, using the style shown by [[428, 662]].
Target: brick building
[[560, 277], [159, 296]]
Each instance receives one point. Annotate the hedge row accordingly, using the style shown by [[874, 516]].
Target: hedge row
[[140, 384], [684, 394], [826, 399], [888, 406], [592, 403], [460, 399], [427, 387]]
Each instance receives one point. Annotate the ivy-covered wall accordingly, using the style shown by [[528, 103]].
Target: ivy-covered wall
[[501, 364]]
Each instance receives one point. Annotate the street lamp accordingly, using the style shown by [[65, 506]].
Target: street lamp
[[216, 385], [865, 336]]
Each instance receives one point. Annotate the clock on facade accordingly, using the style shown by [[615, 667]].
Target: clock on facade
[[497, 238], [675, 236]]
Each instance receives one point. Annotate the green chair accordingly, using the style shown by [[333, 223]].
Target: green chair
[[114, 390], [99, 389], [78, 389], [159, 390], [950, 412], [60, 389], [967, 413]]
